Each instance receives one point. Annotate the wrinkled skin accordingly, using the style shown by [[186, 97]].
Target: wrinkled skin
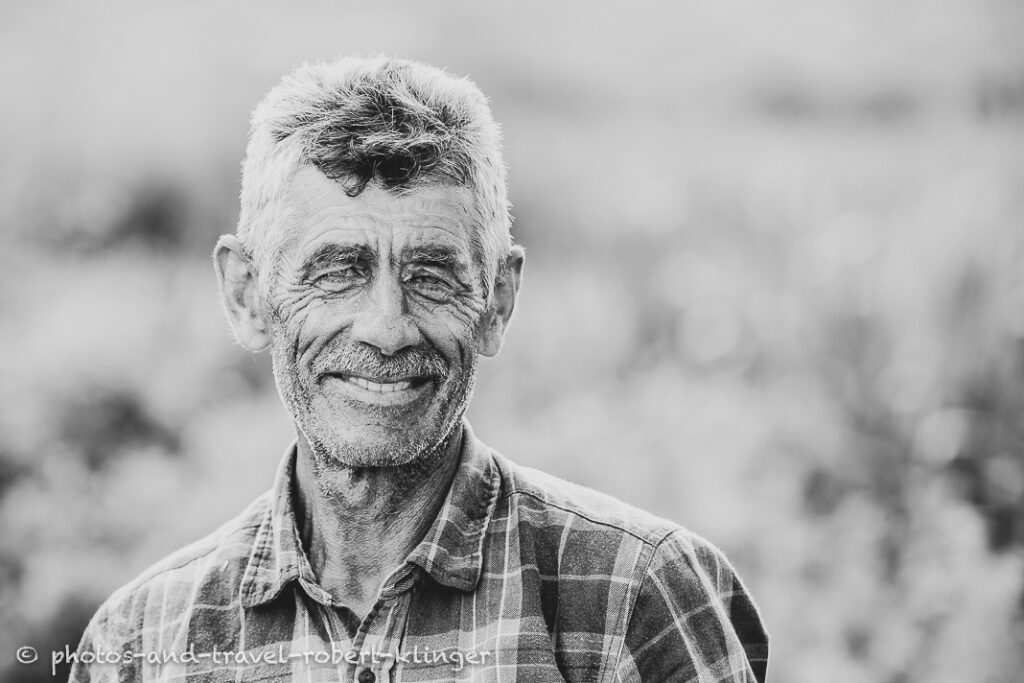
[[384, 288], [375, 313]]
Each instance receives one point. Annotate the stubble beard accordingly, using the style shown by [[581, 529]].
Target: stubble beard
[[406, 462]]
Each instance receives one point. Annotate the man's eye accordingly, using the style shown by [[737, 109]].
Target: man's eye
[[428, 280], [430, 286], [338, 274], [338, 278]]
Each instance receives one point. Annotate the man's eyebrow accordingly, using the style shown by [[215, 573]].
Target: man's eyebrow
[[436, 255], [331, 254]]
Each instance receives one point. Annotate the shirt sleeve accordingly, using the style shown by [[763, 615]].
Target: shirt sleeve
[[81, 673], [104, 655], [693, 619]]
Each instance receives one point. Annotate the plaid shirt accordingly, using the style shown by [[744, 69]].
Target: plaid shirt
[[522, 577]]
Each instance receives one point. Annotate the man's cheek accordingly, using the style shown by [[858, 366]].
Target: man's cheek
[[456, 342], [469, 311], [304, 332], [463, 309]]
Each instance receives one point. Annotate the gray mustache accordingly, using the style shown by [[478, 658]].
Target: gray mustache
[[365, 361]]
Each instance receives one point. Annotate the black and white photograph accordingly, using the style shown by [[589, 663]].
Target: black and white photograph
[[583, 341]]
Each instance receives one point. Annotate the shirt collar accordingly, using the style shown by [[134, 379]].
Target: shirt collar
[[451, 552]]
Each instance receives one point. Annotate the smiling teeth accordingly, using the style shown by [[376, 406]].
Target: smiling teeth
[[385, 388]]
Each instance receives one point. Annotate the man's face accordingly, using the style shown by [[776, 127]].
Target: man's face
[[376, 311]]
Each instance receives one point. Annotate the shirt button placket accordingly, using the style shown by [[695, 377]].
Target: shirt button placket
[[366, 676]]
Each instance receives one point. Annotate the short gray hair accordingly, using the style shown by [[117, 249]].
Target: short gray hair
[[358, 120]]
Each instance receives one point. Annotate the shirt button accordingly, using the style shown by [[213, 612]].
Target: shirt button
[[366, 676]]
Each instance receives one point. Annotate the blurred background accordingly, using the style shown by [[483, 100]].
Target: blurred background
[[775, 292]]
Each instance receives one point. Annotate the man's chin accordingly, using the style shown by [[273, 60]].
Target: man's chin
[[371, 455], [352, 427], [374, 445]]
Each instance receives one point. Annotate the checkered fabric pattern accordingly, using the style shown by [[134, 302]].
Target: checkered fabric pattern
[[522, 577]]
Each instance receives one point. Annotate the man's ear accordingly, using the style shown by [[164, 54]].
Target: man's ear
[[239, 294], [503, 302]]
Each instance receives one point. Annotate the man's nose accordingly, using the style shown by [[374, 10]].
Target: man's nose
[[384, 323]]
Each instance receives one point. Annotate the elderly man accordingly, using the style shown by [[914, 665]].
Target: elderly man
[[373, 259]]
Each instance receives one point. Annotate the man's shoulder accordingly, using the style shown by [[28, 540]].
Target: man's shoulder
[[209, 570], [560, 502]]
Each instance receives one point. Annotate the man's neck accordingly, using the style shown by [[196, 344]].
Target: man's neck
[[363, 523]]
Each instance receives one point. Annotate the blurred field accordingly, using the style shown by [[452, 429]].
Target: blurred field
[[775, 291]]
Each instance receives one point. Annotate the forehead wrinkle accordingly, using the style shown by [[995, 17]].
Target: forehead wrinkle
[[401, 238], [390, 223], [436, 214], [340, 237], [335, 218], [434, 238]]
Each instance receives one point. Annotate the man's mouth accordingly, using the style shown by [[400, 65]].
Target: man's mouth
[[379, 387], [380, 390]]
